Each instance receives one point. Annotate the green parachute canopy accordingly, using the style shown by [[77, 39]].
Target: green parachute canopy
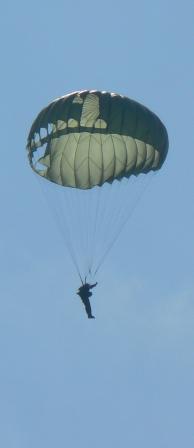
[[87, 138]]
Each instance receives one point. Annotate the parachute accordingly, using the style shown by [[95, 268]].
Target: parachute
[[87, 141]]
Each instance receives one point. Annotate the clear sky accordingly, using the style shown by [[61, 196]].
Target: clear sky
[[127, 378]]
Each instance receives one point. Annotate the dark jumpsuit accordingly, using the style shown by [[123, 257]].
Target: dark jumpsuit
[[84, 293]]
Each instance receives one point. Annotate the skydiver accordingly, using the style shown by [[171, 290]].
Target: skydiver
[[84, 293]]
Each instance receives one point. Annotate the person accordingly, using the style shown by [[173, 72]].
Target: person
[[84, 293]]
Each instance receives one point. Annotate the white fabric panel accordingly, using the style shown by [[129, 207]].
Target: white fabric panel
[[150, 156], [100, 124], [156, 159], [56, 151], [108, 164], [95, 159], [70, 143], [81, 163], [131, 149], [61, 125], [73, 123], [90, 110], [120, 154], [141, 154]]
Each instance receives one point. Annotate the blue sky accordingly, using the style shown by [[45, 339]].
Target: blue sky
[[127, 378]]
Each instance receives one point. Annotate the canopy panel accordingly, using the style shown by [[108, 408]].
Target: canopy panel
[[88, 138]]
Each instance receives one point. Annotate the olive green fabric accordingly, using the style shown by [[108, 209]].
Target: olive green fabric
[[92, 137]]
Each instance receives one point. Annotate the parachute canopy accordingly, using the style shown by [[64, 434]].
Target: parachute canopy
[[88, 138]]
